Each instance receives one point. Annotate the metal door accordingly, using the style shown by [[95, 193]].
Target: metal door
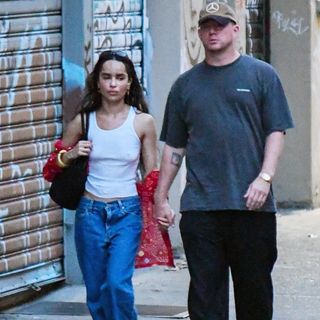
[[31, 249], [257, 25], [118, 25]]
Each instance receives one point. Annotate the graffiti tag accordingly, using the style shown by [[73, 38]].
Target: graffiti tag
[[291, 23]]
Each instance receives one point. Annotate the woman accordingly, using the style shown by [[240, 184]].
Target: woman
[[108, 220]]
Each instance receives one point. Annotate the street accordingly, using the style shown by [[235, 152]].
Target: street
[[162, 292]]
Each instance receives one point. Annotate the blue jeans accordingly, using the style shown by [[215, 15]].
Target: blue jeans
[[107, 237]]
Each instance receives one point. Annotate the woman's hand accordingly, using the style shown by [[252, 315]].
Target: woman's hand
[[71, 136], [82, 148]]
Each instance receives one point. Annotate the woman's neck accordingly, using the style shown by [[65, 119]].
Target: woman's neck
[[113, 108]]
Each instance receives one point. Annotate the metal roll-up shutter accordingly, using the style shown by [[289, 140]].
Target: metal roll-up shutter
[[31, 231], [257, 26], [118, 25]]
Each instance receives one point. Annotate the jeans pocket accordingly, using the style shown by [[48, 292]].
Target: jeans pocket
[[84, 209], [132, 209], [82, 212]]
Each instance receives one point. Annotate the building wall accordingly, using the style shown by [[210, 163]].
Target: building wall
[[294, 45], [292, 24], [77, 60], [176, 48], [166, 30], [315, 101]]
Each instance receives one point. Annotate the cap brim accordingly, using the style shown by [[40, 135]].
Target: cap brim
[[221, 20]]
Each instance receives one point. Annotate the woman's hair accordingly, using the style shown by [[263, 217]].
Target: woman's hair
[[92, 98]]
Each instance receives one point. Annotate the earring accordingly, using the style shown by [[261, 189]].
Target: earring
[[127, 93]]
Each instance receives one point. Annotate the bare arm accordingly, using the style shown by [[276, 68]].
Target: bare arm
[[170, 165], [273, 150], [259, 189], [146, 129], [149, 145]]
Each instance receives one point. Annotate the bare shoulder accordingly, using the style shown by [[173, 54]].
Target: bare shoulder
[[144, 118], [73, 130], [144, 123], [74, 125]]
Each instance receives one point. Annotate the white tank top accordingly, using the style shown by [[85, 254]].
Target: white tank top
[[114, 159]]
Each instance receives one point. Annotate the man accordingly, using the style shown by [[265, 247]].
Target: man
[[228, 116]]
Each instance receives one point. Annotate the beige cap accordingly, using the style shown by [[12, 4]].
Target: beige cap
[[220, 12]]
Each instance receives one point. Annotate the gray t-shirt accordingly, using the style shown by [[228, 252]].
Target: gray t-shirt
[[222, 116]]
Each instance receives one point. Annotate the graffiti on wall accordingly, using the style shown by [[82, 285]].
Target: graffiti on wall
[[30, 108], [191, 9], [26, 85], [240, 4], [87, 50], [118, 24], [292, 23]]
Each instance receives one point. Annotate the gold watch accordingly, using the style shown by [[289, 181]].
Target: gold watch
[[265, 176]]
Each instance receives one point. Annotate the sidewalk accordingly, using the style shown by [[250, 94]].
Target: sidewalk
[[162, 291]]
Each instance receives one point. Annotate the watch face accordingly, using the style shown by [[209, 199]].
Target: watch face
[[266, 177]]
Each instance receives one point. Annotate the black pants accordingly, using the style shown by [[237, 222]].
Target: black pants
[[243, 241]]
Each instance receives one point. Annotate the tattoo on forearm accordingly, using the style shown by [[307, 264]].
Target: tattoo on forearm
[[176, 159]]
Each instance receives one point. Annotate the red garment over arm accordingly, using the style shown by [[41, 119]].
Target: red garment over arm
[[155, 248], [51, 168]]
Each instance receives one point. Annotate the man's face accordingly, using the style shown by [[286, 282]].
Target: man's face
[[216, 37]]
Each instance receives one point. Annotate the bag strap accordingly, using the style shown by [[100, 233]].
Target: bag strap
[[84, 125], [87, 124]]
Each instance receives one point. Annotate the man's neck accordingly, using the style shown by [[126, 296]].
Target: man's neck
[[221, 59]]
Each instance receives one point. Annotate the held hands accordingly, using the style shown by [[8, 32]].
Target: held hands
[[164, 222], [257, 193], [164, 214]]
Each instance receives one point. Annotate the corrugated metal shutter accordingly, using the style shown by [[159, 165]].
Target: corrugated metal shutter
[[118, 25], [257, 28], [31, 231]]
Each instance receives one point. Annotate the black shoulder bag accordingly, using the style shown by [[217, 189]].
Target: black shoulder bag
[[68, 186]]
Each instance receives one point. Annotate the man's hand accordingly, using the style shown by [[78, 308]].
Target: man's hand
[[259, 189], [164, 214], [257, 193], [170, 164]]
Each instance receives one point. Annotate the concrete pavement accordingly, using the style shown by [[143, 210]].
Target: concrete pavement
[[161, 291]]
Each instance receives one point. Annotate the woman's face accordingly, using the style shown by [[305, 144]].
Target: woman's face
[[113, 81]]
